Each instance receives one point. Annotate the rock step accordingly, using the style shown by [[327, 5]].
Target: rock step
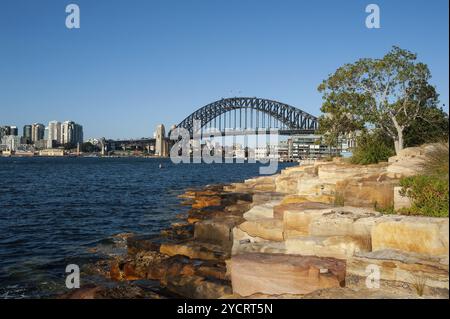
[[264, 197], [276, 274], [398, 270], [218, 231], [261, 211], [268, 228], [339, 247], [195, 250]]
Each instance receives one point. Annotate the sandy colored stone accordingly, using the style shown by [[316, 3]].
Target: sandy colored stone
[[276, 274], [424, 235], [369, 191], [269, 229], [345, 221], [194, 250], [261, 211], [340, 247], [217, 231], [399, 200], [400, 271]]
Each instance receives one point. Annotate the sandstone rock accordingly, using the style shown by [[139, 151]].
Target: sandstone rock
[[333, 173], [424, 235], [279, 211], [298, 217], [287, 184], [370, 191], [340, 247], [264, 197], [364, 293], [269, 229], [398, 270], [197, 287], [399, 200], [261, 211], [217, 231], [345, 221], [275, 274], [194, 250], [206, 201]]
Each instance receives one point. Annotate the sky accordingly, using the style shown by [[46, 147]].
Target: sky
[[133, 64]]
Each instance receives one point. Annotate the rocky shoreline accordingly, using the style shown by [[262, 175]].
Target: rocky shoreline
[[311, 231]]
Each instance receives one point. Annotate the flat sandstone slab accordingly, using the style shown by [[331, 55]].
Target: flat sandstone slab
[[276, 274], [423, 235]]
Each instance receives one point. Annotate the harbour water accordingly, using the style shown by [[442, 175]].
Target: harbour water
[[54, 211]]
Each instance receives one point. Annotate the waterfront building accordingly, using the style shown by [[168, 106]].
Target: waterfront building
[[4, 131], [51, 152], [26, 136], [14, 131], [71, 133], [10, 142], [54, 131], [37, 132]]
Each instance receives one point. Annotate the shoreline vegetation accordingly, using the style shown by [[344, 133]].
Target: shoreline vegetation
[[331, 229]]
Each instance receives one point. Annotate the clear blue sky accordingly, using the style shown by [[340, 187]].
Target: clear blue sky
[[135, 63]]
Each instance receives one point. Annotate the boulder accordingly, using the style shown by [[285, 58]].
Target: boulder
[[335, 172], [410, 273], [298, 217], [345, 221], [217, 231], [261, 211], [198, 287], [369, 191], [340, 247], [194, 250], [276, 274], [269, 229], [424, 235], [264, 197]]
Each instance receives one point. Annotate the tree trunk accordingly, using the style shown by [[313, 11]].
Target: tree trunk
[[398, 140]]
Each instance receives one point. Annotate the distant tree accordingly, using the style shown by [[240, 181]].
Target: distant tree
[[88, 147], [339, 118], [69, 146], [390, 93]]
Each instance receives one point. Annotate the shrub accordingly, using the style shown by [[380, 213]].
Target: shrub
[[429, 195], [429, 191], [371, 149]]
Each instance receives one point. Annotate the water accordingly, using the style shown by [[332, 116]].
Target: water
[[54, 210]]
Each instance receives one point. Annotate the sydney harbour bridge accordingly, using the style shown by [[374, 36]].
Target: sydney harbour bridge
[[247, 115]]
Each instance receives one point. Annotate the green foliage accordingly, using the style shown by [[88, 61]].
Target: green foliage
[[390, 93], [371, 149], [429, 195], [430, 127], [429, 191]]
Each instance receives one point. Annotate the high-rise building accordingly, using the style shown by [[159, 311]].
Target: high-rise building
[[37, 132], [13, 131], [4, 131], [54, 131], [26, 134], [161, 145], [71, 133], [10, 142]]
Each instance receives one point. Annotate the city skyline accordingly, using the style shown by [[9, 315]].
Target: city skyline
[[134, 65]]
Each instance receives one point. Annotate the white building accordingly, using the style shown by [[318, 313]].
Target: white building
[[54, 131], [10, 142]]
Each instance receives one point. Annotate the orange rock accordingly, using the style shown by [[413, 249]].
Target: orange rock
[[276, 274]]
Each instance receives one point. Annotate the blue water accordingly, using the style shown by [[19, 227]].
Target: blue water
[[53, 210]]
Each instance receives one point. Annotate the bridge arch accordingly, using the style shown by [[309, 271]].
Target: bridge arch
[[291, 118]]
